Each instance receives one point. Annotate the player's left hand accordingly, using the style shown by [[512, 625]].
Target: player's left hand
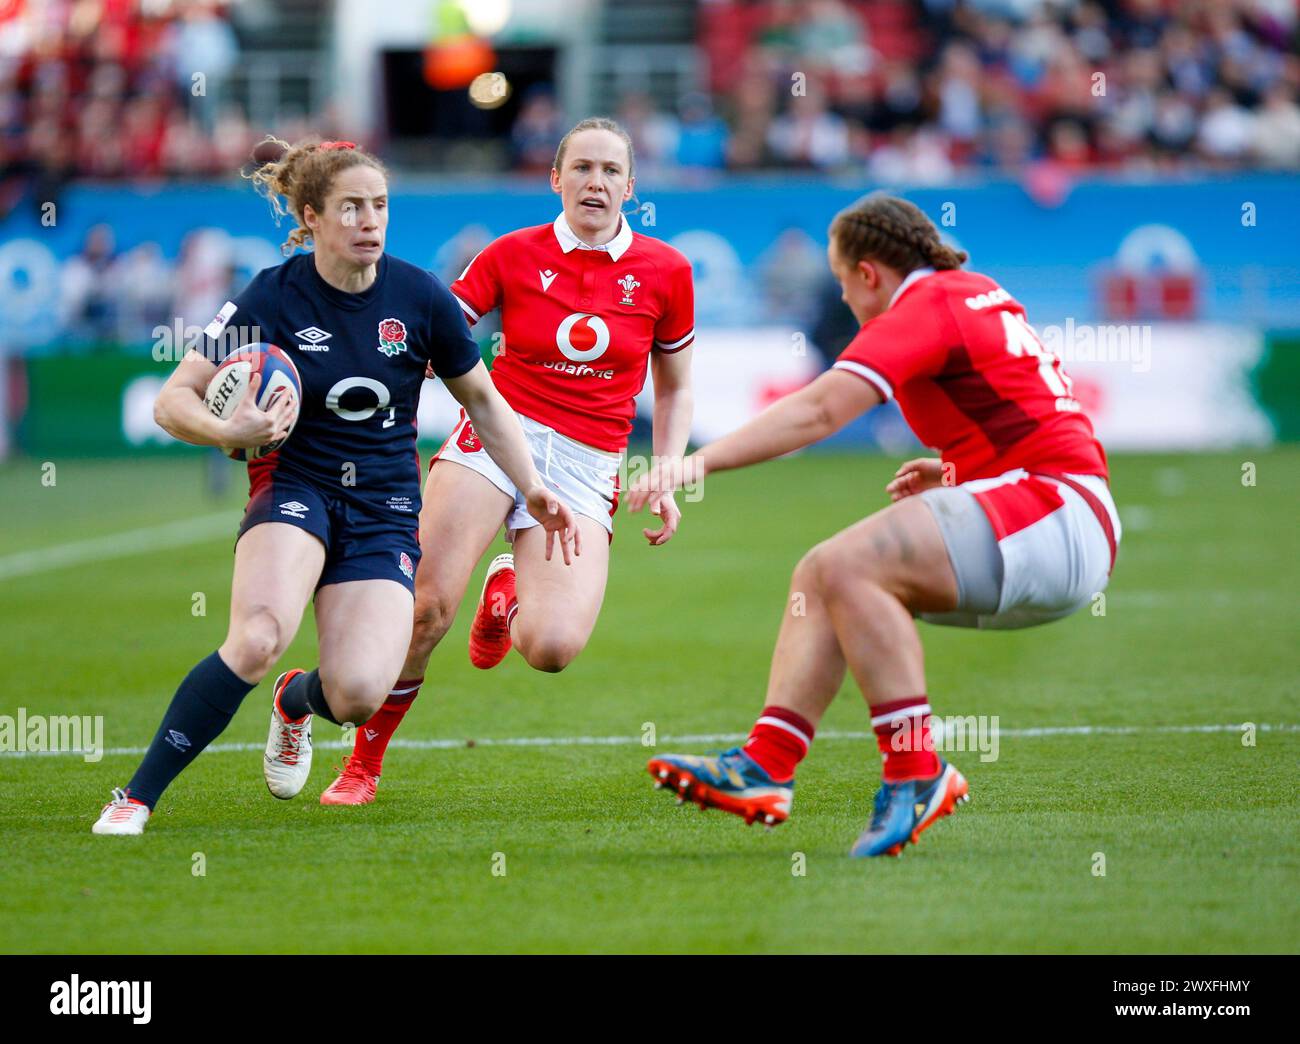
[[665, 507], [556, 518]]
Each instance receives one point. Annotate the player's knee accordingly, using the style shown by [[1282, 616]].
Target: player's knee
[[830, 568], [255, 644], [807, 573], [433, 619], [816, 572], [551, 650], [353, 699]]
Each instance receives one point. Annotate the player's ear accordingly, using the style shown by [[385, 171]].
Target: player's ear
[[631, 184], [309, 217], [870, 273], [555, 180]]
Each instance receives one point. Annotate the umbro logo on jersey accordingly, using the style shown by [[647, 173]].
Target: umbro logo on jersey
[[294, 509], [548, 277], [314, 336]]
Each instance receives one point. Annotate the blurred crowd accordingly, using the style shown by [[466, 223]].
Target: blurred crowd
[[114, 88], [893, 90], [921, 90]]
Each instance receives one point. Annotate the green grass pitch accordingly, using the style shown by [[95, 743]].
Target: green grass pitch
[[1197, 829]]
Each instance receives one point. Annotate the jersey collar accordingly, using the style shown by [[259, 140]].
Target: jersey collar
[[908, 280], [615, 248]]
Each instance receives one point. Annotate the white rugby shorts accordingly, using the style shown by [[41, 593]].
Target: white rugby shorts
[[585, 478]]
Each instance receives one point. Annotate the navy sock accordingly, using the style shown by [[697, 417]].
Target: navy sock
[[200, 711], [304, 695]]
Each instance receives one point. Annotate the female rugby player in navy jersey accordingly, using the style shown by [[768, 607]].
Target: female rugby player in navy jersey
[[334, 512]]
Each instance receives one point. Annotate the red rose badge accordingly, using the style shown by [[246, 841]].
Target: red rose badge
[[392, 337]]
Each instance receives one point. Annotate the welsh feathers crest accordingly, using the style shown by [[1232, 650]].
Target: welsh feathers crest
[[628, 284]]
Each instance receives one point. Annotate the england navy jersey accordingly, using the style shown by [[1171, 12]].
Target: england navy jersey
[[362, 359]]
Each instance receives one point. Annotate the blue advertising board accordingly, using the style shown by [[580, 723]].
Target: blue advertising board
[[756, 243]]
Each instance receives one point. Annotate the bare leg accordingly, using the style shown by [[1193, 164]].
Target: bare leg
[[461, 515], [807, 665], [364, 627], [862, 586], [276, 569], [558, 603]]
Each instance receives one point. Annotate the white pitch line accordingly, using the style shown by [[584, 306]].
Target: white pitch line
[[711, 737], [181, 533]]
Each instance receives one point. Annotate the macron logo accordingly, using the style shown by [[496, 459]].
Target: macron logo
[[102, 998], [548, 277]]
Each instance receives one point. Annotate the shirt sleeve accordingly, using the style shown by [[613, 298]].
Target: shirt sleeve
[[478, 290], [239, 323], [675, 329], [452, 351], [906, 341]]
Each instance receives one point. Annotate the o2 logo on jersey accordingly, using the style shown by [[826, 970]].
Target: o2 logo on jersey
[[582, 337], [334, 399]]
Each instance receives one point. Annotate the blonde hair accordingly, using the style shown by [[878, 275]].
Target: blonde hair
[[894, 232], [303, 174], [597, 123]]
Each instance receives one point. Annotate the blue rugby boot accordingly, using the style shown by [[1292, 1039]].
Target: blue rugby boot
[[903, 810], [731, 781]]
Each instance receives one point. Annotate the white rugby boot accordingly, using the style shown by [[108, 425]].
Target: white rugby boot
[[287, 762], [121, 816]]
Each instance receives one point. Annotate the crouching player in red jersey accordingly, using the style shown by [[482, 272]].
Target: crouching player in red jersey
[[587, 308], [1013, 526]]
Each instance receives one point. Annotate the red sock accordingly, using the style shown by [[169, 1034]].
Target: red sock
[[902, 730], [372, 737], [778, 742]]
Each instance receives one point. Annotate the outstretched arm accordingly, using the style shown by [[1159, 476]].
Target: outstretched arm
[[809, 415], [813, 413]]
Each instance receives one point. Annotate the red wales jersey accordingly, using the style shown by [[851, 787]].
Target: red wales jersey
[[580, 323], [973, 380]]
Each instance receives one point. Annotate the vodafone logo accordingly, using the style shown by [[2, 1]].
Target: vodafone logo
[[582, 337]]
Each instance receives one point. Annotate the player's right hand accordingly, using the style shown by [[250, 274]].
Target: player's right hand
[[249, 427], [666, 475], [916, 476], [558, 521]]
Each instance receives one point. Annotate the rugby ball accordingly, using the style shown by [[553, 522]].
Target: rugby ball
[[230, 383]]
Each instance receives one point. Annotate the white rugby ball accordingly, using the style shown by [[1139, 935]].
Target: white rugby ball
[[230, 384]]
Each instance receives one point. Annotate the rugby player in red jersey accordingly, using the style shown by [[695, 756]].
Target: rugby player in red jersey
[[587, 308], [1013, 525]]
